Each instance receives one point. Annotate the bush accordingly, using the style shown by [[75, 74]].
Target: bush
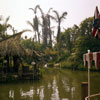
[[41, 72], [72, 62]]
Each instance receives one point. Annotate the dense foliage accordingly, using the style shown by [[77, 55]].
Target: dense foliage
[[66, 48]]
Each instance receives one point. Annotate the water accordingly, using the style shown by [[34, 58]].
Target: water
[[56, 85]]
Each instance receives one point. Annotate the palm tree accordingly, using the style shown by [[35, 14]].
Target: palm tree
[[46, 29], [49, 26], [33, 27], [59, 19], [35, 23], [4, 27], [44, 26]]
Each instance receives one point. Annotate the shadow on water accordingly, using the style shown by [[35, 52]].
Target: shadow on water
[[55, 85]]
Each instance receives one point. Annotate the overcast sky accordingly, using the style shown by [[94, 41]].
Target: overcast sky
[[19, 12]]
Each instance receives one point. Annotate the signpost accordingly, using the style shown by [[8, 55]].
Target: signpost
[[89, 65]]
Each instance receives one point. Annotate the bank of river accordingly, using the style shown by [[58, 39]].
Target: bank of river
[[55, 85]]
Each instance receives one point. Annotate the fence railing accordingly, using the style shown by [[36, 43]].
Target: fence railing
[[94, 95]]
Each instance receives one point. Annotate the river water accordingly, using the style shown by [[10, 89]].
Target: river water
[[55, 85]]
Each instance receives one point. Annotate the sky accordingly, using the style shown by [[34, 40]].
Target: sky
[[19, 12]]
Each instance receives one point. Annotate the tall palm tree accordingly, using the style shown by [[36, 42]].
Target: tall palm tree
[[44, 26], [46, 29], [59, 19], [49, 26], [35, 24]]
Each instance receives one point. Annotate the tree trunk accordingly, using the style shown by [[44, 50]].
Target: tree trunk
[[50, 41], [58, 34], [39, 37]]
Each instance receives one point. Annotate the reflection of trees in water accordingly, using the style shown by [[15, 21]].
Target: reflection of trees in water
[[70, 85], [26, 94], [55, 92], [62, 92], [65, 86], [56, 85], [11, 94]]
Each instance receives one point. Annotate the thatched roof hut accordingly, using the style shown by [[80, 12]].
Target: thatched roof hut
[[11, 46]]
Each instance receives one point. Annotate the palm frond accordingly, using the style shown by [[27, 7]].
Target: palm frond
[[7, 19], [34, 10], [52, 17], [63, 15], [49, 10], [11, 45], [57, 14], [31, 24], [38, 6], [31, 9]]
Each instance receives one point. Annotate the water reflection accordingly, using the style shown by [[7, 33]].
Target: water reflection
[[49, 85], [68, 89], [58, 85], [32, 93], [55, 94], [42, 93], [27, 94], [11, 94]]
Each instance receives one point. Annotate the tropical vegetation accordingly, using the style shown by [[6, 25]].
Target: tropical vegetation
[[65, 49]]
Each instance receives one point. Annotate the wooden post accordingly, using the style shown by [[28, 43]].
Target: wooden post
[[89, 65], [84, 90]]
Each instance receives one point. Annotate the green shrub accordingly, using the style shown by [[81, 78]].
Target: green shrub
[[42, 71]]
